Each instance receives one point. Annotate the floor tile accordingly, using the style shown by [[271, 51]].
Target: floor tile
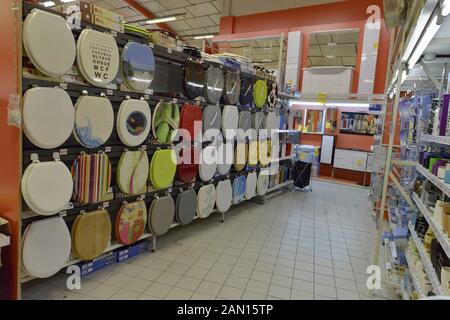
[[124, 294], [209, 288], [157, 290], [230, 293], [179, 294]]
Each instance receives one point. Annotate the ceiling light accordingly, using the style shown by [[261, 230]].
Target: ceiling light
[[161, 20], [424, 41], [306, 103], [445, 5], [208, 36], [348, 104], [67, 1], [47, 3]]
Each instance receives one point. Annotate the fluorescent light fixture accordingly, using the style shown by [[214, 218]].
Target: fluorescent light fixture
[[307, 103], [424, 41], [348, 104], [67, 1], [208, 36], [47, 3], [445, 5], [161, 20]]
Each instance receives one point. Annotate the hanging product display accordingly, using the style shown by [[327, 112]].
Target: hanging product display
[[94, 121], [206, 199], [49, 42], [230, 119], [194, 79], [224, 195], [208, 163], [239, 184], [271, 123], [264, 152], [240, 157], [225, 158], [246, 97], [186, 206], [166, 119], [91, 234], [191, 115], [245, 121], [273, 96], [133, 122], [188, 168], [250, 187], [48, 116], [91, 177], [97, 57], [232, 88], [163, 168], [47, 187], [212, 120], [214, 82], [131, 221], [260, 93], [132, 172], [45, 247], [258, 121], [253, 153], [138, 66], [161, 215], [263, 182]]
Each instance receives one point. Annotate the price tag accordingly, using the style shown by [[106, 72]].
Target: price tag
[[63, 85], [107, 149], [114, 33], [151, 45], [63, 152], [105, 204], [169, 50], [109, 92]]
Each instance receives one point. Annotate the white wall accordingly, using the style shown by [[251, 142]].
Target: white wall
[[244, 7]]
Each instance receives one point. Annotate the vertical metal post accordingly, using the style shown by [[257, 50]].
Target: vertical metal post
[[387, 168], [441, 85], [153, 243]]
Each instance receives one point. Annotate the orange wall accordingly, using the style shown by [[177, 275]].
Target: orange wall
[[335, 16], [9, 144]]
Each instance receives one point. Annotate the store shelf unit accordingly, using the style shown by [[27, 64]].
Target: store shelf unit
[[443, 239], [429, 269], [415, 279], [444, 140], [439, 183]]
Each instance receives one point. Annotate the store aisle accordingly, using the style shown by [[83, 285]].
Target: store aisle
[[297, 246]]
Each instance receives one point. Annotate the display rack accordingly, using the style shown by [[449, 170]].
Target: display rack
[[415, 279], [166, 60]]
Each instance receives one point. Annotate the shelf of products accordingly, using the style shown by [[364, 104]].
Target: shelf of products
[[433, 179], [414, 277], [429, 269], [443, 239], [444, 140]]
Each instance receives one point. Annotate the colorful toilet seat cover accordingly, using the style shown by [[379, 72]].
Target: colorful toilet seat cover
[[208, 163], [230, 120], [138, 66], [263, 182], [49, 42], [224, 195], [47, 187], [246, 96], [48, 116], [250, 187], [214, 82], [194, 79], [91, 177], [134, 122], [97, 57], [45, 247], [232, 88], [239, 184], [206, 199], [166, 119], [253, 153], [132, 172], [161, 215], [131, 222], [163, 168], [91, 234], [187, 169], [212, 119], [225, 157], [186, 206], [240, 157], [260, 93], [94, 121], [191, 115]]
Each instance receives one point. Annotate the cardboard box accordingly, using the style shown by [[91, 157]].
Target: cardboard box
[[163, 39], [106, 14], [109, 24]]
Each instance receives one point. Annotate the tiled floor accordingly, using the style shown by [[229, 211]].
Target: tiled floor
[[297, 246]]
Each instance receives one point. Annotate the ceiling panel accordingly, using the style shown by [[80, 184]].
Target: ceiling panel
[[200, 22], [202, 9], [175, 4], [153, 6]]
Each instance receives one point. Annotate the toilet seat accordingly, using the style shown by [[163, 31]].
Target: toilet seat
[[161, 215], [163, 168], [132, 172], [186, 206], [133, 122], [131, 221], [138, 66], [250, 187], [224, 195], [206, 199]]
